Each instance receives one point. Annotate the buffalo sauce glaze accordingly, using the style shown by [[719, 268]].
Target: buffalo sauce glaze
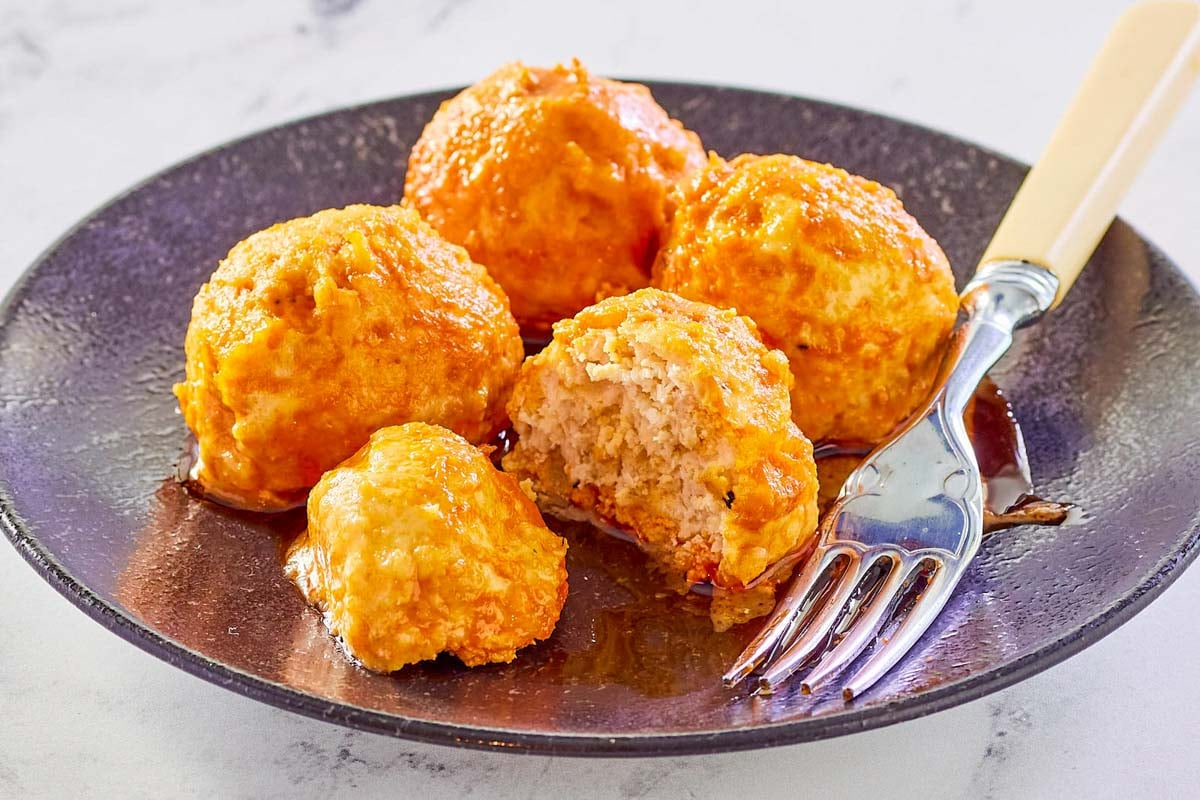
[[624, 625], [1008, 489], [188, 470], [624, 622]]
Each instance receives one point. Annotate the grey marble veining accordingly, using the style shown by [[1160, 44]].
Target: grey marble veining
[[96, 95]]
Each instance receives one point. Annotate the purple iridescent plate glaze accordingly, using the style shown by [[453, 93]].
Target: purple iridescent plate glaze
[[1107, 390]]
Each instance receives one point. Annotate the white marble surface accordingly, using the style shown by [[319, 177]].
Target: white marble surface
[[96, 95]]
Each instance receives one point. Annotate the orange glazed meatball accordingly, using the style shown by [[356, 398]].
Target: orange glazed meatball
[[836, 274], [669, 419], [316, 332], [417, 545], [555, 180]]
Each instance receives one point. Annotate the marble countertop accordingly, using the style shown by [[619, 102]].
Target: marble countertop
[[95, 96]]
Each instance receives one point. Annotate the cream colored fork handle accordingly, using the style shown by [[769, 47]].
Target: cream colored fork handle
[[1128, 97]]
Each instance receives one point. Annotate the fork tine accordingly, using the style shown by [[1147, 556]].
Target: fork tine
[[923, 612], [813, 638], [863, 629], [785, 619]]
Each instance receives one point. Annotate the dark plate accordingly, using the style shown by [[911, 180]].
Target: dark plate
[[1107, 389]]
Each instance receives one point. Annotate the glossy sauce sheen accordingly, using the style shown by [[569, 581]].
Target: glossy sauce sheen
[[622, 625], [1008, 488]]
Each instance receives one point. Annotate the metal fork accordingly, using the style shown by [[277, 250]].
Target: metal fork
[[909, 519]]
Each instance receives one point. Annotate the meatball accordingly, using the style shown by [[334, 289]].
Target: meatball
[[316, 332], [836, 274], [417, 545], [555, 180], [669, 419]]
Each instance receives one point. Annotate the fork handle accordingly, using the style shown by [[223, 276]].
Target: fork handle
[[1135, 86]]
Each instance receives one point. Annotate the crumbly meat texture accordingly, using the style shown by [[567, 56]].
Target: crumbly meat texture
[[669, 419], [836, 274], [316, 332], [417, 545], [555, 180]]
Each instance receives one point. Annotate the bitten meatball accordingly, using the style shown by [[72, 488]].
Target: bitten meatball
[[836, 274], [555, 180], [316, 332], [417, 545], [669, 419]]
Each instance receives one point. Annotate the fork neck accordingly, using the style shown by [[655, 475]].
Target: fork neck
[[1003, 296]]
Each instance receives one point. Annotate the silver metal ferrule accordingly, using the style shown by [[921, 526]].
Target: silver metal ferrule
[[1016, 293]]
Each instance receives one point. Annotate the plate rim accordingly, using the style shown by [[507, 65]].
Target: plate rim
[[910, 706]]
